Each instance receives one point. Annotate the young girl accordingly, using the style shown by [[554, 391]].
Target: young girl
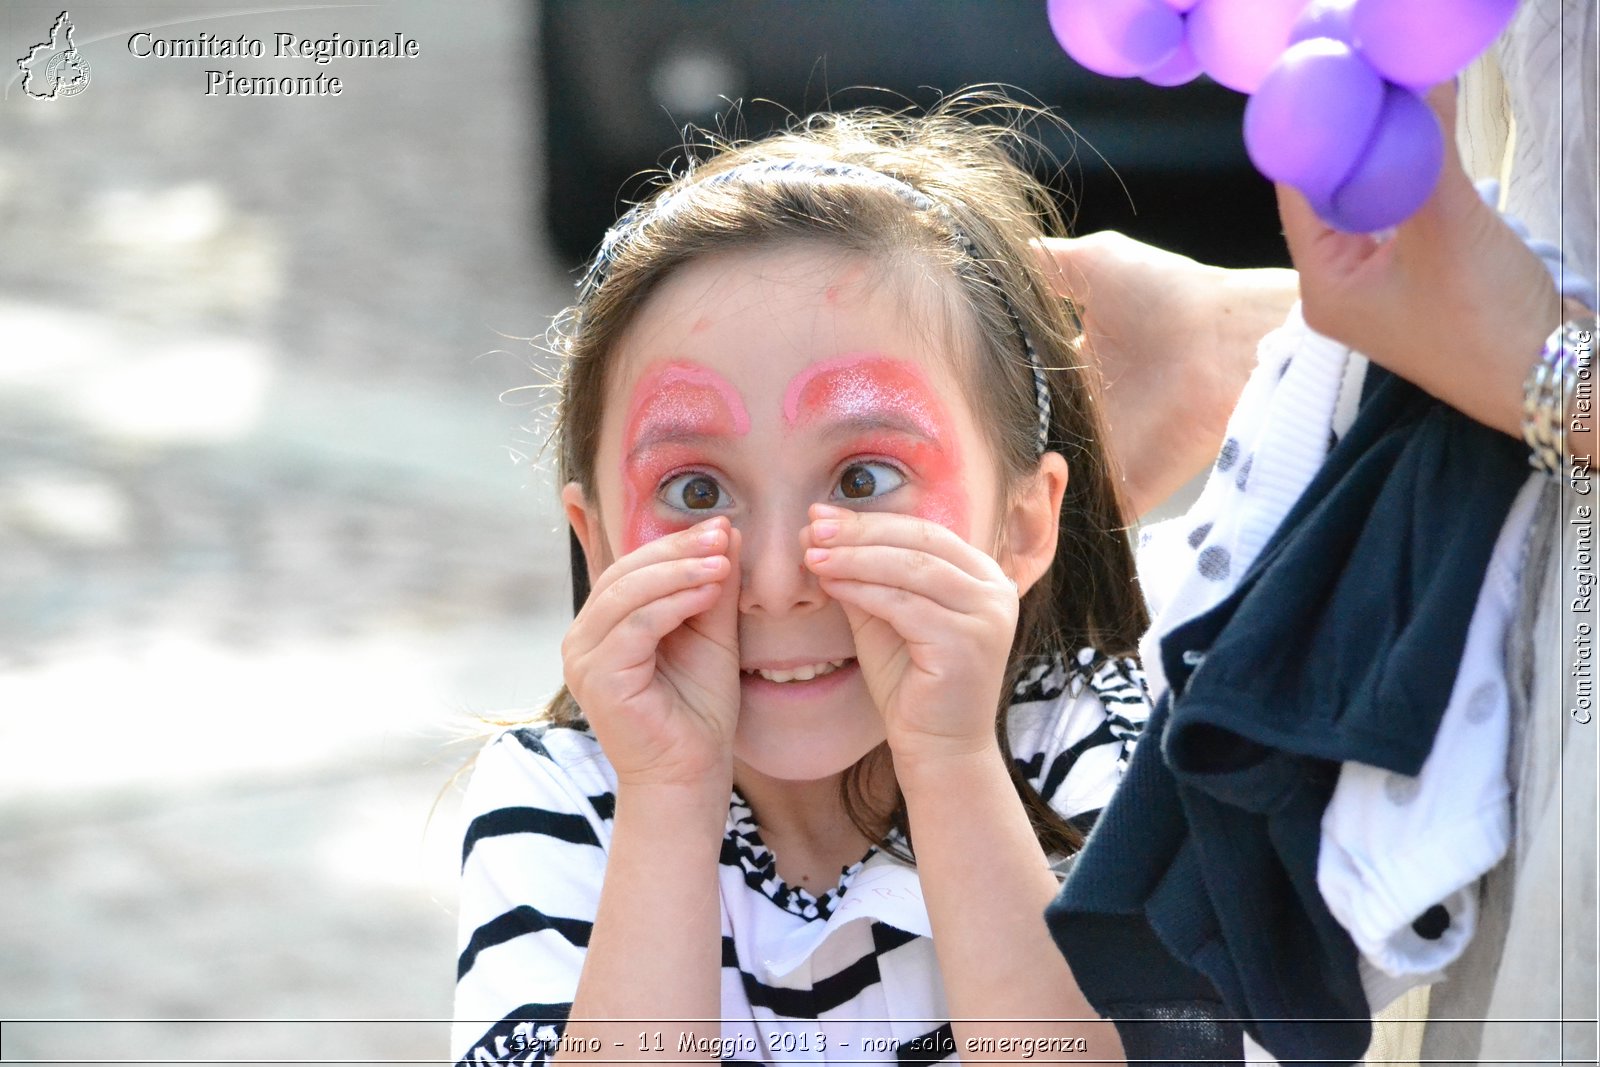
[[852, 672]]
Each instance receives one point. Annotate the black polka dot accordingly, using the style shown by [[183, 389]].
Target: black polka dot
[[1431, 924], [1284, 367], [1243, 477], [1229, 455], [1198, 534], [1214, 563]]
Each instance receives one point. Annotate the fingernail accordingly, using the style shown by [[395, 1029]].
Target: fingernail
[[825, 511], [712, 563], [825, 529], [816, 555], [710, 537]]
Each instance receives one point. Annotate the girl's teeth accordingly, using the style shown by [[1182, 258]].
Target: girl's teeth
[[802, 674]]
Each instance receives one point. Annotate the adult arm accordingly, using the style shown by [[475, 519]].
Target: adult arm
[[1175, 341]]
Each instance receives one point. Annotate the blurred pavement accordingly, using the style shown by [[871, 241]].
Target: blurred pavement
[[270, 536]]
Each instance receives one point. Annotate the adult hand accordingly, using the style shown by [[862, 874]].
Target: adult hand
[[1175, 341], [1452, 301], [932, 618], [653, 658]]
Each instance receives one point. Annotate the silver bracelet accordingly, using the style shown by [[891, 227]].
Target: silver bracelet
[[1549, 391]]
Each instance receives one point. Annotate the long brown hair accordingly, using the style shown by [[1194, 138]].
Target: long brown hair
[[1090, 596]]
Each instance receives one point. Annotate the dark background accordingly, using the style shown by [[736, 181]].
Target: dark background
[[621, 81]]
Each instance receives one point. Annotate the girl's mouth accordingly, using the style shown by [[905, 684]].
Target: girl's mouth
[[808, 672]]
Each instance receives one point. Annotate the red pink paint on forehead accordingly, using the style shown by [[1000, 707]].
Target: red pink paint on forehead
[[673, 404], [882, 408], [873, 393]]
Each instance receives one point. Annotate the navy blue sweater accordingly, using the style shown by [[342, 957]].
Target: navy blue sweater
[[1195, 898]]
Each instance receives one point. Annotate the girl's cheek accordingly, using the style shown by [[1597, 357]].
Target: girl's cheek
[[947, 506], [643, 525], [939, 493], [643, 520]]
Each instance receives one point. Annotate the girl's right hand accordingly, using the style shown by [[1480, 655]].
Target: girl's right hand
[[653, 658]]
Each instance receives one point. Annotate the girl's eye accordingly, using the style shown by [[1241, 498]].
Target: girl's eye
[[863, 481], [692, 492]]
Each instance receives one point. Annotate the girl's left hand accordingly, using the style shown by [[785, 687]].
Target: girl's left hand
[[933, 619]]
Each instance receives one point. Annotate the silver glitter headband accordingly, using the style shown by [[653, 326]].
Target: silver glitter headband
[[820, 171]]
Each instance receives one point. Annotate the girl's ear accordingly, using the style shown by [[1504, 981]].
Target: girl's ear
[[1033, 523], [584, 518]]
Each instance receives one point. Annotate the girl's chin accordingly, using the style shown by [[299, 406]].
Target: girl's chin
[[807, 731]]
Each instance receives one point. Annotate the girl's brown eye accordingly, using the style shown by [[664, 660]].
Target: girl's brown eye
[[700, 492], [857, 482]]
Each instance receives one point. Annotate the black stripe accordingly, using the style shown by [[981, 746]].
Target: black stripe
[[730, 954], [1101, 735], [886, 938], [930, 1047], [515, 923], [604, 805], [529, 737], [792, 1003], [824, 995], [559, 825], [539, 1014]]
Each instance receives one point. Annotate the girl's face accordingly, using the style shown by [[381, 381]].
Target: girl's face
[[753, 385]]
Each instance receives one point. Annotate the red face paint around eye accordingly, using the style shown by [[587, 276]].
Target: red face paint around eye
[[873, 393], [673, 404]]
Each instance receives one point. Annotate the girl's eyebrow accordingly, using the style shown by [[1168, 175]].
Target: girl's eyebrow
[[683, 402], [674, 434], [868, 422], [867, 387]]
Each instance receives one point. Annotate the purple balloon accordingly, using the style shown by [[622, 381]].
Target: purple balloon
[[1178, 68], [1237, 41], [1324, 18], [1313, 116], [1118, 38], [1424, 42], [1397, 172]]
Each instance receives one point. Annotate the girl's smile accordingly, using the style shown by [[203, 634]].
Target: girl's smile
[[755, 384]]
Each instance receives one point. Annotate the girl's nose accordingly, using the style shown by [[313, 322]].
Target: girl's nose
[[774, 578]]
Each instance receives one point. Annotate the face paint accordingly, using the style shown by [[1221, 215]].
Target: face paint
[[673, 405], [877, 394]]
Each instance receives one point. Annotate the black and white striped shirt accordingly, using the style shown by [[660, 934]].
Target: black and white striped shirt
[[850, 975]]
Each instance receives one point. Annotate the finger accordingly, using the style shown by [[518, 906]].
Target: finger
[[625, 654], [1454, 192], [938, 580], [1319, 251], [609, 607], [832, 527], [702, 539], [720, 622], [919, 621]]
